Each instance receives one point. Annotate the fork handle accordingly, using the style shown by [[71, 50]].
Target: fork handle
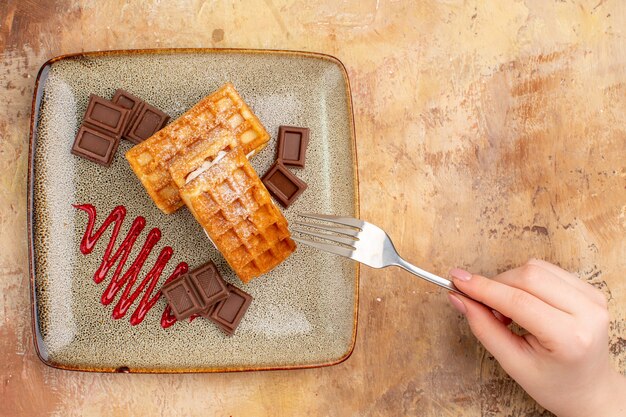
[[435, 279]]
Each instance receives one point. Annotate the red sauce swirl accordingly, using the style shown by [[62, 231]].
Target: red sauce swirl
[[128, 279]]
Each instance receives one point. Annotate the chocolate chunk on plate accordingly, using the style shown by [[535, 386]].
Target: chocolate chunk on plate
[[105, 116], [95, 145], [210, 285], [283, 185], [131, 102], [149, 121], [292, 144], [183, 297], [228, 313]]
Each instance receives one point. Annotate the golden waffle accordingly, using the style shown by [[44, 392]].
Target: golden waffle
[[200, 155], [231, 203], [194, 131]]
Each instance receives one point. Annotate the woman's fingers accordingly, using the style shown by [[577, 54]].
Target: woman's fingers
[[544, 321], [589, 290], [546, 286], [508, 348]]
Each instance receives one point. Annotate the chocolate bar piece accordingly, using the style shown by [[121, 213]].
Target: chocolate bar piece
[[95, 146], [183, 297], [105, 116], [292, 144], [204, 292], [149, 121], [105, 122], [210, 286], [228, 313], [283, 185], [133, 103]]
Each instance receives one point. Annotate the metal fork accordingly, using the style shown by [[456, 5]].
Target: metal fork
[[362, 242]]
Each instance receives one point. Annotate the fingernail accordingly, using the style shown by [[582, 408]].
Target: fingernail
[[457, 303], [460, 274], [501, 317]]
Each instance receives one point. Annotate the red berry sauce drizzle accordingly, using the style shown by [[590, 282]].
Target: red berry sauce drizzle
[[129, 278]]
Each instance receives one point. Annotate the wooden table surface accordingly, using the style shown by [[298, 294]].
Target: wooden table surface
[[488, 132]]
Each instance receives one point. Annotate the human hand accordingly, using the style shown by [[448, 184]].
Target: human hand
[[563, 359]]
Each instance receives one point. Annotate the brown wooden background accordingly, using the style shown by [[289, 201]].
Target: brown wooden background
[[488, 132]]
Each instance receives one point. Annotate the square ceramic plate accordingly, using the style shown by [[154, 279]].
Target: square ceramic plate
[[304, 311]]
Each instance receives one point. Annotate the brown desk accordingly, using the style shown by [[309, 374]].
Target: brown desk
[[488, 133]]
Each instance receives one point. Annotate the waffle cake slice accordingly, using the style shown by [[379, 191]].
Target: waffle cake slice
[[202, 155], [195, 132], [231, 203]]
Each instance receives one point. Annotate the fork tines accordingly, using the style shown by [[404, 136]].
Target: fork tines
[[344, 234], [345, 221]]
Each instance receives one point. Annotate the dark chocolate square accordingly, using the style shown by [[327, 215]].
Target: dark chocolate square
[[210, 285], [95, 145], [283, 185], [131, 102], [292, 144], [105, 116], [228, 313], [149, 121], [182, 297]]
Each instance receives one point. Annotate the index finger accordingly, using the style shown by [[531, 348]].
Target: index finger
[[545, 286], [589, 290], [547, 323]]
